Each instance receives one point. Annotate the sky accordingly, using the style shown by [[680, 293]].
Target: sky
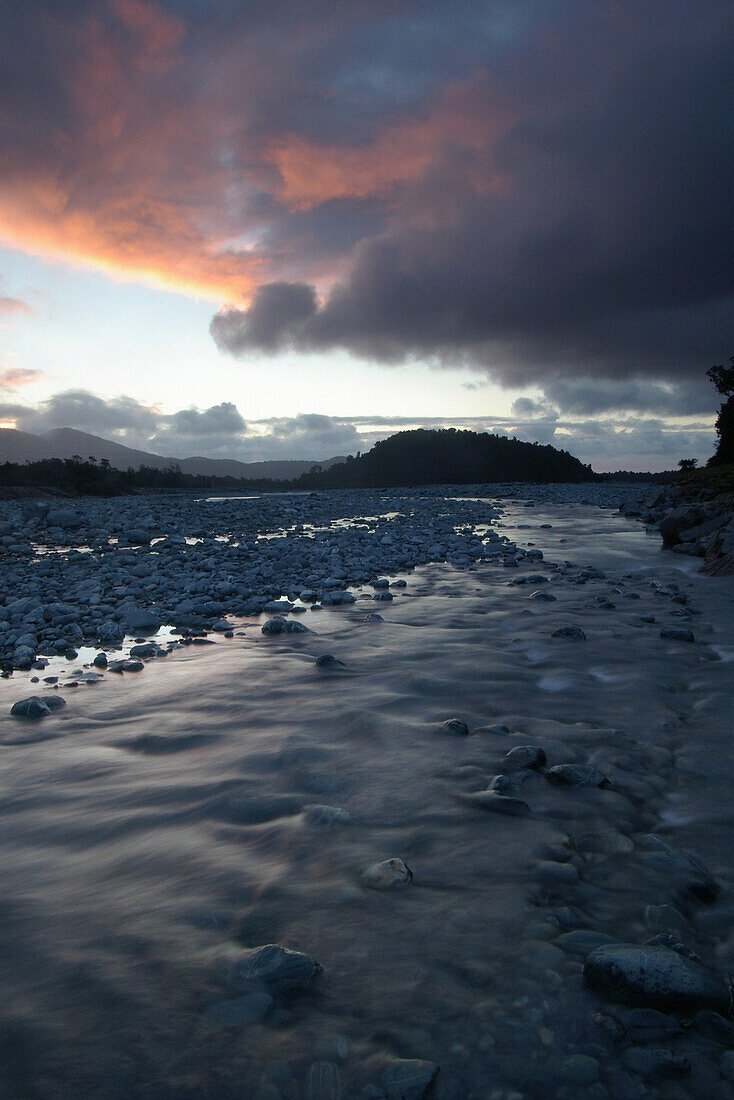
[[268, 229]]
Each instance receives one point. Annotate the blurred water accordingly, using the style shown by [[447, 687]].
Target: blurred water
[[157, 827]]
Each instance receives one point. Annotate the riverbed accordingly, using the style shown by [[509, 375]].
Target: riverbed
[[164, 824]]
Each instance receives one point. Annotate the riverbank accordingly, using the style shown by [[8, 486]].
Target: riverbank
[[163, 826]]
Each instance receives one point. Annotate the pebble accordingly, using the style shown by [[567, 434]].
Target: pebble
[[387, 875], [274, 968], [456, 727]]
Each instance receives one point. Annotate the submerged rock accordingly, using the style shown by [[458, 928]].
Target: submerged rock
[[37, 706], [279, 625], [524, 757], [677, 634], [655, 977], [406, 1079], [572, 633], [456, 727], [328, 661], [387, 875], [274, 968], [326, 816], [576, 775]]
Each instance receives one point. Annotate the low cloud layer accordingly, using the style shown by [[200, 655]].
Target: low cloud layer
[[626, 441], [542, 191]]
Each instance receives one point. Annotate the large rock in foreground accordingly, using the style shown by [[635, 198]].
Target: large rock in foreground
[[655, 977], [37, 706]]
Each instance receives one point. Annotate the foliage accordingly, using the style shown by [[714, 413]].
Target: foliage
[[723, 378]]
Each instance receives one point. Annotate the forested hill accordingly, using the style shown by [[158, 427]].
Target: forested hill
[[450, 456]]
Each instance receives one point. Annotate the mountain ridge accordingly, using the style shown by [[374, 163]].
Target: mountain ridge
[[19, 446]]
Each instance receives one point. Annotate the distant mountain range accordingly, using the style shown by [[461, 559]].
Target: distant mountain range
[[17, 446]]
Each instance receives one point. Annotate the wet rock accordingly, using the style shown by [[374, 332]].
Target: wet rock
[[501, 784], [655, 1063], [279, 625], [238, 1011], [456, 727], [664, 939], [571, 633], [139, 621], [407, 1079], [580, 1070], [100, 661], [576, 775], [646, 1025], [543, 597], [275, 969], [665, 918], [524, 757], [497, 803], [323, 1082], [37, 706], [387, 875], [714, 1026], [726, 1065], [328, 661], [655, 977], [325, 817], [677, 634], [689, 874]]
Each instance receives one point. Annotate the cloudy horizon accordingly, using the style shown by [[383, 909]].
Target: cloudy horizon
[[258, 230]]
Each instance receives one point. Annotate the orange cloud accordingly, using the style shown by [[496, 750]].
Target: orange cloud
[[312, 173], [13, 377]]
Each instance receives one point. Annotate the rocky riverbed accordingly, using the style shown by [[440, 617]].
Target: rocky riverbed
[[473, 840]]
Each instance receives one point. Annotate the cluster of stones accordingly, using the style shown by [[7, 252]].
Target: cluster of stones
[[694, 519], [91, 573]]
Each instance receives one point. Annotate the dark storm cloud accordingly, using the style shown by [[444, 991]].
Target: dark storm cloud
[[539, 190], [592, 234]]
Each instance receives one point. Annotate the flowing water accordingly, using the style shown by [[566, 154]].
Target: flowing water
[[158, 826]]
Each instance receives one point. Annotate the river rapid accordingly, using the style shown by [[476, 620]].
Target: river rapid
[[162, 825]]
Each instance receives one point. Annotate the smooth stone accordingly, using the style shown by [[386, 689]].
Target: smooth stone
[[576, 775], [677, 634], [327, 660], [37, 706], [654, 1063], [543, 597], [551, 872], [524, 757], [279, 625], [276, 968], [387, 875], [655, 977], [249, 1009], [456, 727], [407, 1079], [100, 661], [572, 633], [326, 816], [502, 784], [646, 1025], [580, 1069]]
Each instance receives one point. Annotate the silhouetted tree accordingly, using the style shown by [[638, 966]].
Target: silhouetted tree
[[688, 463], [723, 379]]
